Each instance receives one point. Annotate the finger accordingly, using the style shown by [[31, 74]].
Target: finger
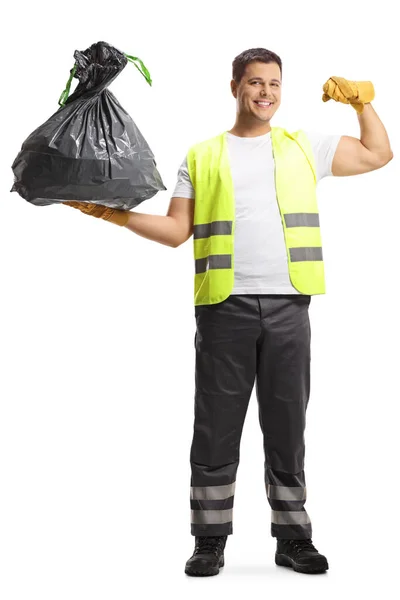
[[346, 87], [72, 203], [96, 210], [328, 87]]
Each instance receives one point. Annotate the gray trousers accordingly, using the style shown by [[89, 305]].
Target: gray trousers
[[246, 338]]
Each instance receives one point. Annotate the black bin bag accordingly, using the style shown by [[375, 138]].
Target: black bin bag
[[90, 150]]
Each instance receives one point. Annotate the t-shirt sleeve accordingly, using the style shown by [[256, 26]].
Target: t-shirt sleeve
[[184, 187], [324, 147]]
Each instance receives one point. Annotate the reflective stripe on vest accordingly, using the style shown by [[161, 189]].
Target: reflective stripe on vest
[[214, 215]]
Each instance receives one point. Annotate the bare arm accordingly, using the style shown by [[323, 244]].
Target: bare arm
[[159, 228], [372, 151], [373, 135], [171, 230]]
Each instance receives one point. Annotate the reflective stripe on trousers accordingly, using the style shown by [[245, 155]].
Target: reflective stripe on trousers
[[247, 339]]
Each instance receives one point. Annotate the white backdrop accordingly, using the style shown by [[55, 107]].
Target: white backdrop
[[97, 323]]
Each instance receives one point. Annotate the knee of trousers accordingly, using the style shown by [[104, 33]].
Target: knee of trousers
[[214, 474], [287, 462], [215, 447]]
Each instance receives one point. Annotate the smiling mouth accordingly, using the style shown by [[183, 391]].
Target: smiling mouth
[[262, 104]]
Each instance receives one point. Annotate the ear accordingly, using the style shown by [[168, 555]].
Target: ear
[[234, 88]]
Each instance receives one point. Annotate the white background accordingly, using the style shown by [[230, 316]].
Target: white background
[[97, 323]]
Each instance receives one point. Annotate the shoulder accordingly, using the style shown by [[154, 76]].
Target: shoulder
[[320, 140], [324, 146], [206, 144]]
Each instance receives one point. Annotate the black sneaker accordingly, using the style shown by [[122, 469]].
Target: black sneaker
[[208, 556], [301, 555]]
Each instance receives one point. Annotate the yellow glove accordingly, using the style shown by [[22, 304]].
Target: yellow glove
[[119, 217], [356, 93]]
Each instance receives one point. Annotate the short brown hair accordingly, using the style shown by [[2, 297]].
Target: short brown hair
[[253, 55]]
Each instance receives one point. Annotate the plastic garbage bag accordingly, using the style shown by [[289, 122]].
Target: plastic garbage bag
[[90, 149]]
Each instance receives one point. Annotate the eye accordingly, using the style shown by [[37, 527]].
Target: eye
[[255, 82]]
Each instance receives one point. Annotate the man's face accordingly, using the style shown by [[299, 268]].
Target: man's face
[[260, 82]]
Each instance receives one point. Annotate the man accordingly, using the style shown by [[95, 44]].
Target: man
[[248, 197]]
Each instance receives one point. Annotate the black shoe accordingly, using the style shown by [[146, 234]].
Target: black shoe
[[301, 555], [208, 556]]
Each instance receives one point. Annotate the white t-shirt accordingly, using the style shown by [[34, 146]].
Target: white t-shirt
[[260, 260]]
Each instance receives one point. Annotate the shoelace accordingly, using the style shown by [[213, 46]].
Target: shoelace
[[210, 544], [299, 545]]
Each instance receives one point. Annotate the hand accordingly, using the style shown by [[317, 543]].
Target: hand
[[356, 93], [119, 217]]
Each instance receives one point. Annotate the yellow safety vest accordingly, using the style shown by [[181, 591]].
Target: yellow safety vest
[[214, 215]]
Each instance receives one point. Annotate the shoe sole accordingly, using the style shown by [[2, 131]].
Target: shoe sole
[[284, 561], [208, 573]]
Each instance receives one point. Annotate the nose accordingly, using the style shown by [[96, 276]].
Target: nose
[[265, 95], [264, 92]]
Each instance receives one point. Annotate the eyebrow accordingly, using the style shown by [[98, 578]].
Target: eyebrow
[[260, 79]]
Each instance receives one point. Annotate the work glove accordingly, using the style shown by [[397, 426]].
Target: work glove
[[356, 93], [119, 217]]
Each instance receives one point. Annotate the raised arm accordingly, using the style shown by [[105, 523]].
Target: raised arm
[[372, 151]]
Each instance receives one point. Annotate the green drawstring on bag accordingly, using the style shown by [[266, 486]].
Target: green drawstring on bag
[[144, 72], [65, 94], [63, 98]]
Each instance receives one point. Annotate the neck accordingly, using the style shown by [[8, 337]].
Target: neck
[[246, 129]]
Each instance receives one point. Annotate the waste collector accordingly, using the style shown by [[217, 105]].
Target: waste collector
[[248, 197]]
